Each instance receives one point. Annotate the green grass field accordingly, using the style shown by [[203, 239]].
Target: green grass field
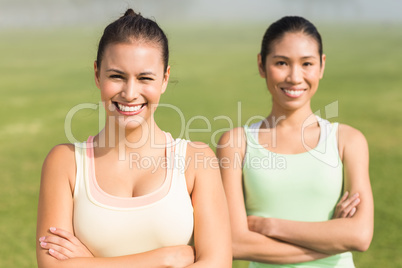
[[46, 73]]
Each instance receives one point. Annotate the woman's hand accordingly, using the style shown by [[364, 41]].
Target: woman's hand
[[347, 206], [63, 245]]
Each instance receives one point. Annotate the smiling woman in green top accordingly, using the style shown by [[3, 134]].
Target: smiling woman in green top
[[301, 194]]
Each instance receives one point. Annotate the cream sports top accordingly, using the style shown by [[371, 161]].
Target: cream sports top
[[116, 226]]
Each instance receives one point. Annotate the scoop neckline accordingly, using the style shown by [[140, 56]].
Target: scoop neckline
[[257, 141], [100, 196]]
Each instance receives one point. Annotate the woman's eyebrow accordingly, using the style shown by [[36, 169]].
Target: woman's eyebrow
[[148, 73], [115, 70], [284, 57], [121, 72]]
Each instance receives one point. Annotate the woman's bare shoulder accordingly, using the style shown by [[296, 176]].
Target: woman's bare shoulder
[[61, 153], [59, 164], [351, 138], [350, 134]]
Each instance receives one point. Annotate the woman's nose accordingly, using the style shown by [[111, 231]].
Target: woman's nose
[[131, 91], [295, 75]]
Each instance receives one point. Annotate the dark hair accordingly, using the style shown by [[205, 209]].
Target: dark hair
[[288, 24], [132, 26]]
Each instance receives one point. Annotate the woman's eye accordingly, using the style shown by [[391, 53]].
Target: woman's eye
[[146, 78], [281, 63], [307, 64], [116, 76]]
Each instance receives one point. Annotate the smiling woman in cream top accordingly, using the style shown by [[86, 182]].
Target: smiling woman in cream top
[[124, 197]]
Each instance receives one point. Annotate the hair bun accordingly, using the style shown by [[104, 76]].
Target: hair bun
[[130, 12]]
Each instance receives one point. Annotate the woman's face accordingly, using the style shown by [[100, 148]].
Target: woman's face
[[292, 70], [131, 80]]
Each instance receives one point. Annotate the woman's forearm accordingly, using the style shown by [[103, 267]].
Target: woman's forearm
[[159, 258], [253, 246], [120, 262], [330, 237]]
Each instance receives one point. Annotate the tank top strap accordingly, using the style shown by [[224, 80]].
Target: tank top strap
[[180, 156], [80, 152], [328, 130], [182, 148], [169, 145], [253, 130], [332, 135], [325, 127], [327, 149]]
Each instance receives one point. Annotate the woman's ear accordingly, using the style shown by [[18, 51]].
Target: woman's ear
[[96, 72], [323, 58], [165, 79], [261, 68]]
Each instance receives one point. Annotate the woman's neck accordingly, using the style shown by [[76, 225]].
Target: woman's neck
[[141, 138], [290, 118]]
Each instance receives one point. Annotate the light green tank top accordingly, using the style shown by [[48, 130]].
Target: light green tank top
[[300, 187]]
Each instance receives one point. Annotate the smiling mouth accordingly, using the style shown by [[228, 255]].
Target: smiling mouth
[[293, 93], [132, 109]]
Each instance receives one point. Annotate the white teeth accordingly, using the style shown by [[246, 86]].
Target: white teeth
[[294, 93], [128, 108]]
